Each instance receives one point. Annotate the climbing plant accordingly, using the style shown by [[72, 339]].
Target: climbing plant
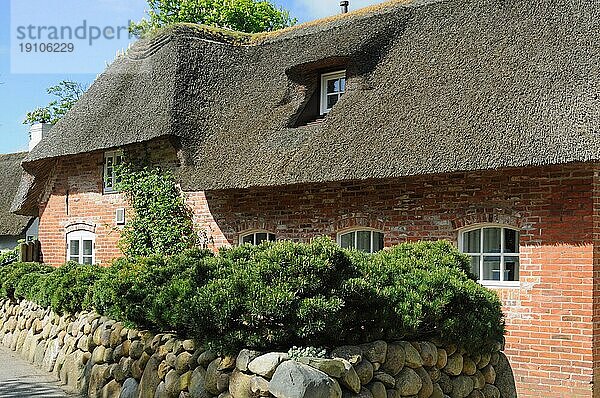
[[161, 222]]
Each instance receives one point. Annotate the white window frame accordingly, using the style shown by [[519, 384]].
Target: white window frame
[[81, 236], [118, 213], [360, 229], [105, 174], [325, 77], [254, 232], [502, 255]]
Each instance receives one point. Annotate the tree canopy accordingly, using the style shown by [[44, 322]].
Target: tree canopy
[[67, 93], [251, 16]]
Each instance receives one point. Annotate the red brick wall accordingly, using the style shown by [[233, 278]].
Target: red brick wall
[[550, 318], [596, 286], [75, 196]]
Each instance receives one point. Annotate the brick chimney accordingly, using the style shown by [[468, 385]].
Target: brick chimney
[[37, 132]]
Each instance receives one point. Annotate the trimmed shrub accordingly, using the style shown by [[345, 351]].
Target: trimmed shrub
[[131, 289], [283, 294], [64, 289], [11, 275]]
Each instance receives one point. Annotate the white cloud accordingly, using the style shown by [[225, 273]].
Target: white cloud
[[313, 9]]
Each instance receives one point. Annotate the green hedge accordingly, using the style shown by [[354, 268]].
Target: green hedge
[[277, 295]]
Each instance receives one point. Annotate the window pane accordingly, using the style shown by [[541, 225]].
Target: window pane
[[271, 237], [109, 161], [511, 241], [511, 268], [332, 100], [475, 266], [363, 241], [87, 247], [491, 268], [87, 260], [343, 84], [108, 183], [248, 239], [333, 86], [377, 241], [491, 240], [347, 240], [74, 248], [261, 237], [472, 241], [76, 259]]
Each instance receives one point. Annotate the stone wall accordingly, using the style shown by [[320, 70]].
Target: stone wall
[[102, 358]]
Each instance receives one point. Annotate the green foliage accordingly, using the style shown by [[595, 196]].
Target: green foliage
[[251, 16], [133, 289], [283, 294], [11, 275], [162, 222], [67, 93], [65, 289], [10, 256], [428, 290], [279, 295]]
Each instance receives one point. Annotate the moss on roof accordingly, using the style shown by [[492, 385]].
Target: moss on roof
[[241, 38]]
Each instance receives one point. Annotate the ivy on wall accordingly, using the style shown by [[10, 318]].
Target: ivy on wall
[[161, 223]]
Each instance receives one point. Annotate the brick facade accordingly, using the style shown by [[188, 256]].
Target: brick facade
[[552, 319]]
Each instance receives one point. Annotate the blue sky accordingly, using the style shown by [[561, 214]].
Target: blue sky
[[24, 77]]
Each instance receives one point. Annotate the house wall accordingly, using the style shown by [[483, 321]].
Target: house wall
[[75, 200], [549, 316], [551, 323]]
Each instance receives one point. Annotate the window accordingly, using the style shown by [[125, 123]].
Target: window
[[333, 86], [111, 160], [80, 247], [257, 237], [369, 241], [494, 252], [120, 216]]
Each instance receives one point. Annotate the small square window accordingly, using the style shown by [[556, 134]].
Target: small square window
[[333, 86]]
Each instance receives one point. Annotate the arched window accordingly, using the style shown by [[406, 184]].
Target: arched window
[[494, 252], [256, 237], [367, 240], [81, 247]]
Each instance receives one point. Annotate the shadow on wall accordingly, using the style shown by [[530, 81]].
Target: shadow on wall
[[20, 387]]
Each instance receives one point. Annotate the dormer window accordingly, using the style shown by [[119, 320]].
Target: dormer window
[[333, 86]]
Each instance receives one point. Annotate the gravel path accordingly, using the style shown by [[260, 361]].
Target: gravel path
[[19, 378]]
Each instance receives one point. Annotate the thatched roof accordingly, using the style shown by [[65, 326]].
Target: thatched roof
[[434, 86], [10, 175]]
